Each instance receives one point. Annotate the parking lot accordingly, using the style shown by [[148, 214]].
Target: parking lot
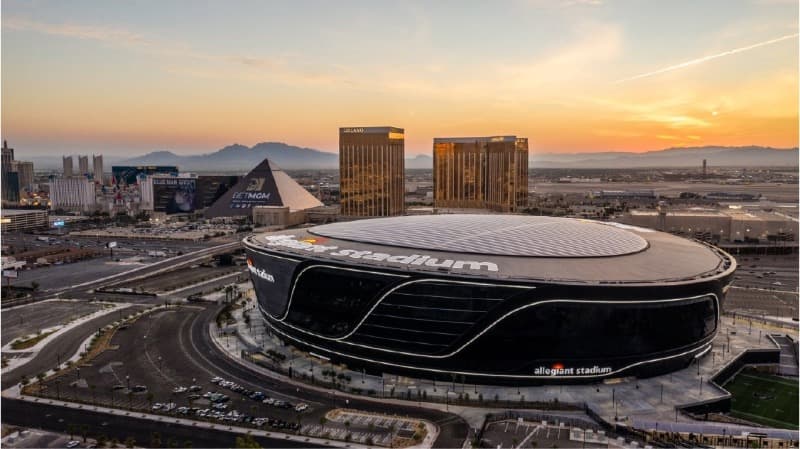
[[370, 429], [510, 434], [32, 318], [192, 232], [146, 369], [39, 438]]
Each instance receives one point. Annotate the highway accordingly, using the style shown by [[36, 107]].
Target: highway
[[157, 267], [77, 280]]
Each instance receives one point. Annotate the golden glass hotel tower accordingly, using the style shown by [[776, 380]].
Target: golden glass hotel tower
[[481, 172], [371, 171]]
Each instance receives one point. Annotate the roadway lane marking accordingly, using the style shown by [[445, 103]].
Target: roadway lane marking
[[218, 368]]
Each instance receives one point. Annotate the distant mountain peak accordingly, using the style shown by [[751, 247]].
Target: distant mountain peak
[[234, 147], [161, 153], [238, 157]]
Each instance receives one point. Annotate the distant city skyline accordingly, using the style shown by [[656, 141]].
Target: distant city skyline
[[124, 79]]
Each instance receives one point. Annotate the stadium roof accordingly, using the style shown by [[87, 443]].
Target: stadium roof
[[503, 235], [514, 246]]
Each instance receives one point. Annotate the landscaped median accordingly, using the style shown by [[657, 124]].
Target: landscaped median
[[25, 343]]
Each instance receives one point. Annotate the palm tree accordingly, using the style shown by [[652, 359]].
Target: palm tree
[[93, 387], [155, 439]]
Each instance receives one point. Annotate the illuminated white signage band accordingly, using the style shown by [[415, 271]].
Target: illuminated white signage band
[[353, 130], [558, 370], [260, 272], [289, 241], [251, 195]]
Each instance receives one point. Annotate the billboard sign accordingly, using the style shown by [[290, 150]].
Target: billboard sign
[[129, 174], [174, 195], [58, 224], [111, 244], [11, 274], [259, 191]]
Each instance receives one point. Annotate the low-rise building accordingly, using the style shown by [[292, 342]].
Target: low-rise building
[[728, 225], [16, 220]]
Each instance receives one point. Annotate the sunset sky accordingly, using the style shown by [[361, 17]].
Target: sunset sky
[[126, 78]]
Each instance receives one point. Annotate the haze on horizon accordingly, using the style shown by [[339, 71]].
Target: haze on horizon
[[126, 78]]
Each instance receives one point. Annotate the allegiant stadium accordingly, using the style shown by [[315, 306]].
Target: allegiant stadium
[[497, 299]]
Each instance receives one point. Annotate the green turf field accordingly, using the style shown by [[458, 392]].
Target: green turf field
[[764, 399]]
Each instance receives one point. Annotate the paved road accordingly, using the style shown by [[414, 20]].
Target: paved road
[[59, 419], [63, 347], [196, 341]]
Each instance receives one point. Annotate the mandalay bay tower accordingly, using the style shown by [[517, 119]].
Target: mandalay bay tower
[[371, 171]]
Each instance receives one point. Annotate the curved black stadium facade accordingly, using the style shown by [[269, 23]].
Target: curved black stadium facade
[[491, 298]]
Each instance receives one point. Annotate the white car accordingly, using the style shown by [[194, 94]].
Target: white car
[[301, 407], [180, 390], [157, 406], [73, 443]]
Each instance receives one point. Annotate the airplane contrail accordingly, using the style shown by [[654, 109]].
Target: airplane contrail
[[708, 58]]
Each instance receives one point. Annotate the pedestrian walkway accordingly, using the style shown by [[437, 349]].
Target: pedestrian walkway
[[789, 361]]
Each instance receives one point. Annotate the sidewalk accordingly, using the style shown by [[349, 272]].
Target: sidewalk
[[654, 399]]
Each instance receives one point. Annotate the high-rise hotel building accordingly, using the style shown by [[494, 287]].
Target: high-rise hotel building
[[481, 172], [371, 171]]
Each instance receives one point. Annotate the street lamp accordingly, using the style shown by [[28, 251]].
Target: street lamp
[[614, 400], [128, 381]]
